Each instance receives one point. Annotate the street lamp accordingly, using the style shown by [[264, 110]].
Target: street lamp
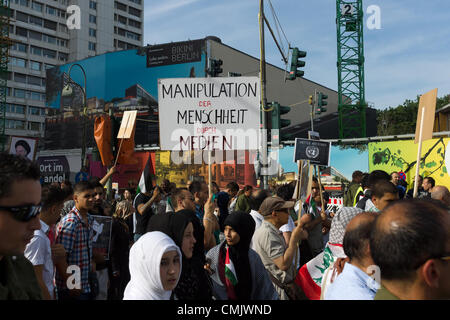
[[68, 91]]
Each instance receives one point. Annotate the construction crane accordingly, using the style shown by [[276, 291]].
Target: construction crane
[[5, 42], [350, 53]]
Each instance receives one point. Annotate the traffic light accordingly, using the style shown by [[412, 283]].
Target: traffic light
[[215, 68], [321, 103], [296, 63], [310, 100], [276, 122]]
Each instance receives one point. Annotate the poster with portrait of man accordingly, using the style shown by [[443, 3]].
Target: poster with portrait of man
[[23, 146]]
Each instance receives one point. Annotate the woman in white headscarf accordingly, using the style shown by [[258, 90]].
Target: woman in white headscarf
[[155, 267]]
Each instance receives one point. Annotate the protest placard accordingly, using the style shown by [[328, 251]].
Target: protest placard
[[209, 113], [102, 228]]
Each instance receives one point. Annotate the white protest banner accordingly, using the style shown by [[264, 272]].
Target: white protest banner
[[209, 113]]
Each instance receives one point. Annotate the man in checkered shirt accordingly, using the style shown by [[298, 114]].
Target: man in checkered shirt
[[75, 233]]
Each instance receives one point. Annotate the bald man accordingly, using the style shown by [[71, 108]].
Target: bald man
[[442, 194], [410, 242], [355, 283]]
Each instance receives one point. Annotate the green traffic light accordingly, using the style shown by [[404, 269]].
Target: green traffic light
[[296, 63], [321, 99]]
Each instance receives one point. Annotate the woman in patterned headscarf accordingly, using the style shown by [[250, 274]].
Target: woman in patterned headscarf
[[237, 271]]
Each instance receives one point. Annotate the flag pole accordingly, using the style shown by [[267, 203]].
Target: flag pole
[[419, 152]]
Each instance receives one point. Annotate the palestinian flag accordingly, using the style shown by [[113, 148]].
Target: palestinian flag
[[148, 178], [230, 276], [310, 275]]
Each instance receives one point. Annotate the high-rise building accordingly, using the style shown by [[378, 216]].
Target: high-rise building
[[43, 40]]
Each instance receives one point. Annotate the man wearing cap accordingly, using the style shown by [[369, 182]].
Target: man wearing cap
[[269, 243]]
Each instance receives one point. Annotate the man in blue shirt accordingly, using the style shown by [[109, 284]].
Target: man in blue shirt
[[354, 283]]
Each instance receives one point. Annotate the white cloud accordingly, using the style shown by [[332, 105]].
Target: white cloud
[[154, 11]]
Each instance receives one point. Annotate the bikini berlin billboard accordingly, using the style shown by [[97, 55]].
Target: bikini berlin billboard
[[125, 78]]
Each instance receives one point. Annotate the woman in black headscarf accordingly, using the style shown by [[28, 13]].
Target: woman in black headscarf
[[193, 283], [237, 271]]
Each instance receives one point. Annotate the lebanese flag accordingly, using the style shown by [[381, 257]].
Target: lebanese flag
[[230, 276], [310, 275]]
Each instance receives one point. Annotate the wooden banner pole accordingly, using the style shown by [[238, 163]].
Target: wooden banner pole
[[121, 141], [419, 152]]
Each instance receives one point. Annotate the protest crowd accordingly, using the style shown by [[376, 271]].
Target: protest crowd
[[196, 243]]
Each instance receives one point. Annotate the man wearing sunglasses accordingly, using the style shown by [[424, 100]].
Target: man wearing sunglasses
[[20, 197], [410, 243]]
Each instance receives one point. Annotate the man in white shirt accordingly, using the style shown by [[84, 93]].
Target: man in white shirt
[[258, 197], [39, 251]]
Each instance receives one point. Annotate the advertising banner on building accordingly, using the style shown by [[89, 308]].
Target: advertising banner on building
[[400, 156], [209, 113], [174, 53]]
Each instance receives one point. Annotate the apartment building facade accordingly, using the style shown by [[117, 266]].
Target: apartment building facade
[[42, 40]]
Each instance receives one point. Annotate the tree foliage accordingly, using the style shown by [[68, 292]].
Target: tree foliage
[[402, 119]]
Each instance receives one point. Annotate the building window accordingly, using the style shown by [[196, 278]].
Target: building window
[[20, 47], [133, 36], [134, 12], [19, 77], [36, 66], [49, 66], [50, 25], [15, 124], [35, 111], [49, 53], [122, 20], [22, 2], [36, 21], [134, 23], [36, 51], [120, 6], [93, 5], [34, 126], [21, 17], [52, 11], [36, 6], [35, 35], [92, 46], [15, 108], [92, 32], [63, 56], [35, 81], [18, 62], [92, 19], [19, 93], [21, 32], [63, 28]]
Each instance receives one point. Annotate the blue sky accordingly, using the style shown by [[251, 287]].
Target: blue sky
[[408, 56]]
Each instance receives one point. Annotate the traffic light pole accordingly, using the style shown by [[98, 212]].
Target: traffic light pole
[[265, 179]]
